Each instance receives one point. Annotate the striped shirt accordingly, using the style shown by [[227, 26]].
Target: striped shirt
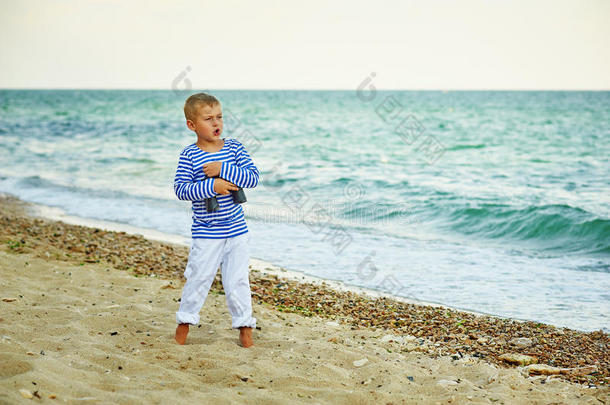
[[191, 184]]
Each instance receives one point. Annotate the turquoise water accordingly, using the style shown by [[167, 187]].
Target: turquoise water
[[497, 202]]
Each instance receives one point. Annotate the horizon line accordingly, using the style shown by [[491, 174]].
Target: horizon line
[[286, 89]]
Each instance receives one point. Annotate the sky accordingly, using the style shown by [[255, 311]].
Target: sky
[[266, 44]]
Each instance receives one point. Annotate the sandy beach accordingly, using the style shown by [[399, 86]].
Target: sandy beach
[[87, 316]]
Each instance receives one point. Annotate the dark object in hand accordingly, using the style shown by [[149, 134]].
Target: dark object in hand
[[211, 204], [239, 197]]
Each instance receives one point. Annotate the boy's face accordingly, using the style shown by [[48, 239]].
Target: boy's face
[[207, 123]]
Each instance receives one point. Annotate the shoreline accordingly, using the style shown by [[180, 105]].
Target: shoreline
[[435, 331], [264, 266]]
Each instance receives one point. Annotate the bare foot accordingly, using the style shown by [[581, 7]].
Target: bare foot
[[181, 331], [245, 336]]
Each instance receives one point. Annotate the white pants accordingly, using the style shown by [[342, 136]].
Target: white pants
[[233, 255]]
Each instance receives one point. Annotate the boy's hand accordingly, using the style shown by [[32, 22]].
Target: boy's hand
[[212, 169], [221, 186]]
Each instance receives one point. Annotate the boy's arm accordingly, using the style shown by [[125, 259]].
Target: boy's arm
[[243, 174], [185, 187]]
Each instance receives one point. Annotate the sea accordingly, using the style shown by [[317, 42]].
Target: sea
[[496, 202]]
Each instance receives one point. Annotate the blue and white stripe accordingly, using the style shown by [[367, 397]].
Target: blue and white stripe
[[191, 184]]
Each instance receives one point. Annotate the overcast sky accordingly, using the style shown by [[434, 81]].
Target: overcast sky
[[314, 44]]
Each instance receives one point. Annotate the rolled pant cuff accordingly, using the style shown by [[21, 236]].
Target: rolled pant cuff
[[246, 321], [185, 317]]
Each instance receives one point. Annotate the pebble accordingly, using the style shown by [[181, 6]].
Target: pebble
[[542, 369], [516, 358], [521, 342], [446, 383], [26, 394], [361, 362], [580, 370]]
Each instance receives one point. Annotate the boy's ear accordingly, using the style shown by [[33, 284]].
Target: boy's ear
[[190, 125]]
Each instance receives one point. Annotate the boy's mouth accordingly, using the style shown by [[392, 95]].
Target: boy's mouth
[[216, 131]]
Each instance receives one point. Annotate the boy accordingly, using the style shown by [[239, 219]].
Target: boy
[[213, 167]]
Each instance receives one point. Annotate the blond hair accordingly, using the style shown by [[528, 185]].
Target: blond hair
[[197, 100]]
